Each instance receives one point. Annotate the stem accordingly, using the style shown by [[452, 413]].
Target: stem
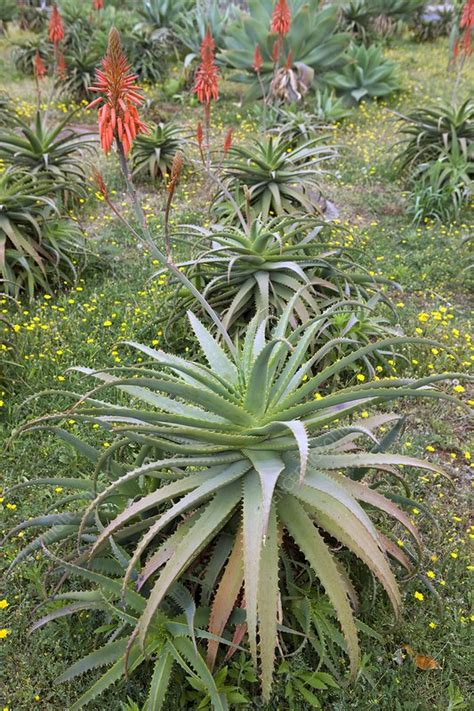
[[158, 254]]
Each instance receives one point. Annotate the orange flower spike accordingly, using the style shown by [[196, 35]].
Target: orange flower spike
[[118, 116], [257, 60], [56, 27], [467, 16], [38, 66], [289, 60], [98, 4], [61, 68], [199, 134], [205, 85], [281, 18], [227, 141]]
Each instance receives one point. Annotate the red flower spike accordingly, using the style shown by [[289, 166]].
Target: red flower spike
[[99, 180], [281, 18], [289, 60], [257, 60], [120, 96], [38, 66], [98, 4], [205, 85], [56, 27], [467, 16], [227, 141]]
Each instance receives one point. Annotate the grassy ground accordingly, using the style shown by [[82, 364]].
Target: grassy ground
[[110, 304]]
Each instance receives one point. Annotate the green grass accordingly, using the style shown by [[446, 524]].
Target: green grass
[[86, 325]]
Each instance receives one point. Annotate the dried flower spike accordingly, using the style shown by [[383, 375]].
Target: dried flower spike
[[120, 96], [281, 18], [56, 27]]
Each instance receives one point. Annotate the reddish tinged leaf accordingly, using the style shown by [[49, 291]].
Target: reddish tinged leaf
[[226, 597]]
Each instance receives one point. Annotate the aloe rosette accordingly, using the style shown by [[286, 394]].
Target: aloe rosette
[[245, 445]]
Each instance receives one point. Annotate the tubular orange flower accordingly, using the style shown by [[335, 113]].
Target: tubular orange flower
[[276, 50], [118, 115], [39, 68], [205, 85], [257, 60], [227, 141], [56, 27], [281, 18]]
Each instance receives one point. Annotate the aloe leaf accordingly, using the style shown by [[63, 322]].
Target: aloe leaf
[[306, 536], [159, 682], [208, 525], [267, 603], [226, 597]]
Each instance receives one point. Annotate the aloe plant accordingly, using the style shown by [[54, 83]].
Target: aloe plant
[[429, 133], [172, 642], [35, 251], [366, 74], [279, 178], [54, 152], [153, 152], [313, 40], [245, 447], [262, 270]]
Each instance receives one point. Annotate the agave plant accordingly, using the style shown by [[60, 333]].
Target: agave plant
[[366, 74], [54, 152], [35, 247], [313, 40], [278, 179], [428, 133], [432, 22], [153, 152], [277, 262], [356, 18], [239, 463]]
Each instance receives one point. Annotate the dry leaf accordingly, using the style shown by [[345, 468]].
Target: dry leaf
[[420, 660]]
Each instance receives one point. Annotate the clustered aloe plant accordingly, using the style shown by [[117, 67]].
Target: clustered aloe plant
[[54, 152], [275, 178], [263, 268], [238, 446], [231, 473], [153, 152]]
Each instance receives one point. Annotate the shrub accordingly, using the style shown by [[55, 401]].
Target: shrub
[[153, 152], [312, 39], [238, 465], [365, 75], [55, 152], [162, 15], [429, 133], [37, 249], [8, 13], [278, 179], [192, 26]]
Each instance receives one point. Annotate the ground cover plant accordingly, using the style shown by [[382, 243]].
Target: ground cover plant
[[262, 502]]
